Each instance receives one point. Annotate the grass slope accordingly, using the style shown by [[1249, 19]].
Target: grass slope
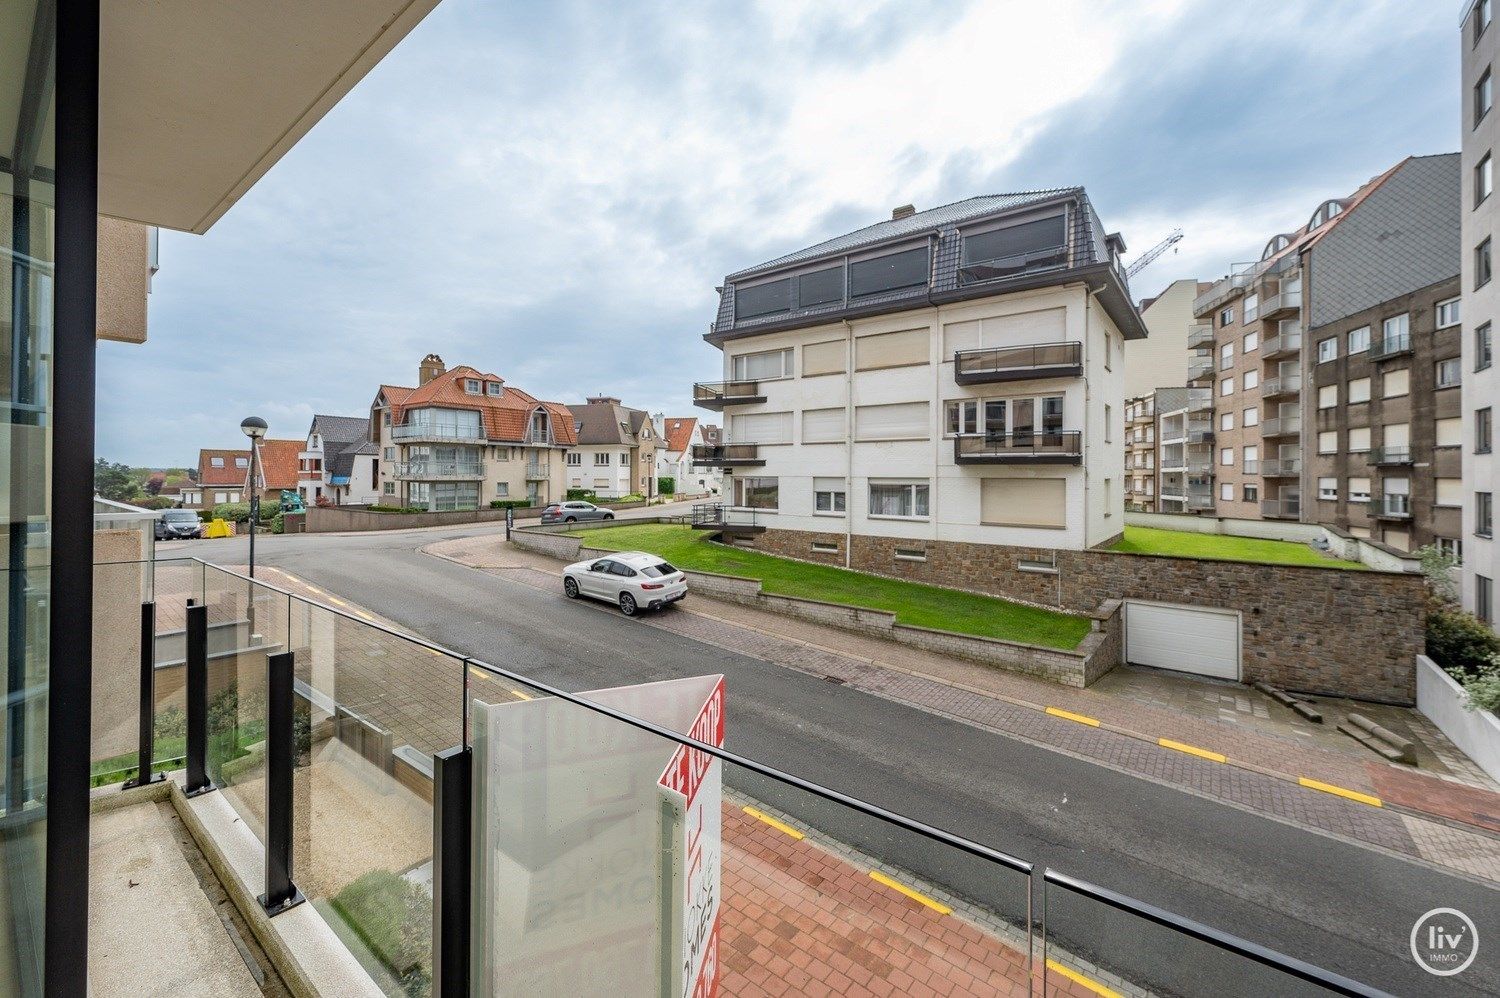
[[1182, 544], [913, 603]]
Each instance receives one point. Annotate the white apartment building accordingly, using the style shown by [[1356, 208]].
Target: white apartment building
[[1481, 306], [953, 376]]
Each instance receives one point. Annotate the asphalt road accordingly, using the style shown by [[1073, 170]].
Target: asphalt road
[[1344, 907]]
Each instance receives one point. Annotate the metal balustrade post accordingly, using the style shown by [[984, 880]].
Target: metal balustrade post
[[281, 752], [197, 701], [452, 816], [146, 741]]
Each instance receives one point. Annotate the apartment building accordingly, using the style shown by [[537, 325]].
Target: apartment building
[[462, 439], [1480, 308], [1161, 358], [615, 452], [934, 381], [1328, 359], [339, 463], [1140, 453]]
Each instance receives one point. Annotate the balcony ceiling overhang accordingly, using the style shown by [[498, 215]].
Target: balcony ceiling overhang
[[198, 100]]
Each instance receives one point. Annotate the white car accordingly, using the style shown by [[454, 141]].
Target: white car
[[632, 580]]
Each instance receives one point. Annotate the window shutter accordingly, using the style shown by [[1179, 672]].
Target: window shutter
[[892, 349], [1023, 502], [821, 426], [823, 358], [900, 421], [761, 428]]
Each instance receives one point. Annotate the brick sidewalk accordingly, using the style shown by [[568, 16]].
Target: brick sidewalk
[[1262, 778]]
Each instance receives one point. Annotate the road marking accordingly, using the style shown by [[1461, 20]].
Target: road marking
[[1329, 788], [778, 825], [522, 696], [916, 896], [367, 616], [1089, 983], [309, 587], [1192, 750], [336, 601], [1070, 716]]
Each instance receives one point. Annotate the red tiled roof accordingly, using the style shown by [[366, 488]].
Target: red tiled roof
[[680, 432], [395, 394], [504, 417], [278, 462], [229, 474]]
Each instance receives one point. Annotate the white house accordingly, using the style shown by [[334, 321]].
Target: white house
[[679, 435], [940, 380], [339, 462]]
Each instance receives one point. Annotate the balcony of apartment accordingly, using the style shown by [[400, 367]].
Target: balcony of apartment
[[1390, 346], [538, 471], [1199, 499], [1200, 400], [1281, 426], [1198, 463], [1201, 369], [1390, 455], [1200, 435], [1019, 363], [1390, 506], [1280, 467], [1282, 385], [734, 520], [1250, 466], [1020, 447], [1286, 343], [1143, 416], [1284, 303], [718, 394], [1200, 336], [1285, 508], [438, 433], [727, 456], [440, 471]]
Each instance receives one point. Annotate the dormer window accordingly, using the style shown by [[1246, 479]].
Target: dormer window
[[493, 388], [471, 385], [216, 462], [242, 462], [539, 425], [624, 427], [1014, 249]]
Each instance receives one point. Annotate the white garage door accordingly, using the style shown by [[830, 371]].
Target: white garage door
[[1183, 638]]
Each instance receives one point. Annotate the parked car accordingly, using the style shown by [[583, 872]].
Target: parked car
[[176, 524], [574, 511], [632, 580]]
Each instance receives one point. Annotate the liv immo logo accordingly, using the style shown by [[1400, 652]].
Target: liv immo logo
[[1444, 942]]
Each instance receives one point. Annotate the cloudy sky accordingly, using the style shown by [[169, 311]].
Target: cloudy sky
[[552, 191]]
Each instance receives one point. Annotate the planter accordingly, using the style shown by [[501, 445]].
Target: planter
[[1477, 732]]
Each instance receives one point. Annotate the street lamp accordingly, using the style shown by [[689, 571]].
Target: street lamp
[[255, 428]]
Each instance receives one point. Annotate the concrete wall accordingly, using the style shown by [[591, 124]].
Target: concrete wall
[[1477, 732], [325, 520], [123, 258]]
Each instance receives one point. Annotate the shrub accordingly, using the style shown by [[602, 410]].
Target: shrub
[[666, 485], [395, 509], [394, 918], [1483, 687], [1460, 642], [235, 512], [1438, 567], [205, 515], [633, 497], [581, 495], [278, 523], [510, 504]]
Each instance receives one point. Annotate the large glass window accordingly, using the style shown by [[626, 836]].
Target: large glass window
[[757, 493], [452, 423], [763, 299], [766, 366], [821, 287], [1029, 245], [898, 499], [892, 272]]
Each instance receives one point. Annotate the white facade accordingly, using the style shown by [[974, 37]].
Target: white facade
[[690, 480], [316, 479], [1479, 44], [604, 469], [876, 421]]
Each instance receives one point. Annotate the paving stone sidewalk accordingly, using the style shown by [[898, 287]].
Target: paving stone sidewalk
[[1441, 820]]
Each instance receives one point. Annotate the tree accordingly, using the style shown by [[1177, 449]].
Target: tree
[[112, 481], [155, 482]]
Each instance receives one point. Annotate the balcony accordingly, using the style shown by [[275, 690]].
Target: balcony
[[1200, 436], [436, 433], [1390, 346], [1022, 447], [1202, 369], [538, 471], [1197, 465], [1200, 400], [1281, 509], [1391, 507], [1281, 467], [1200, 500], [718, 394], [1143, 416], [440, 471], [1282, 304], [724, 518], [727, 456], [1390, 455], [1285, 344], [1281, 426], [1200, 336], [1250, 467], [1280, 386], [1022, 363]]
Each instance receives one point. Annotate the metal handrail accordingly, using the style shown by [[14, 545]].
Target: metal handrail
[[439, 469], [1389, 346], [1068, 443], [713, 390], [1029, 356], [406, 431]]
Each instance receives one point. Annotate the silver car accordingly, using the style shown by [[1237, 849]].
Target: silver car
[[574, 511], [632, 580]]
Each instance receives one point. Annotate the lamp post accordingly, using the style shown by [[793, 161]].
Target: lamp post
[[255, 428]]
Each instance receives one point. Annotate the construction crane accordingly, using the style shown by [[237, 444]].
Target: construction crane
[[1148, 257]]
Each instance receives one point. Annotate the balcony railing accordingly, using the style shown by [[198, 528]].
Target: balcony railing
[[1200, 399], [1391, 346], [1282, 303], [435, 471], [1250, 467], [538, 471], [1200, 336], [1281, 345], [1024, 447], [727, 456], [1281, 426], [1281, 467], [1281, 384], [717, 394], [436, 431], [1200, 436], [1201, 370], [1391, 507], [1281, 509], [1200, 500], [1390, 455], [1020, 363]]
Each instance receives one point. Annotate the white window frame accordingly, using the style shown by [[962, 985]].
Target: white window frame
[[913, 487], [1328, 349], [1448, 313]]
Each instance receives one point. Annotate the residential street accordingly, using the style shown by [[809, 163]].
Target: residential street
[[1347, 908]]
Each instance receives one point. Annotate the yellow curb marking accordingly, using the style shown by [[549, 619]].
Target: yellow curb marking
[[1069, 715], [1329, 788], [1192, 750], [522, 696], [1074, 975], [916, 896], [778, 825]]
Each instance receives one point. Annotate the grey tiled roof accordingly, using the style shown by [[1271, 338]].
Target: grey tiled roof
[[341, 429], [922, 221]]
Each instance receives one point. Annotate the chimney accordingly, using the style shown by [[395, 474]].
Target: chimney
[[431, 367], [903, 211]]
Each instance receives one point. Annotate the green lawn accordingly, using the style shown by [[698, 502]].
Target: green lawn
[[913, 603], [1183, 544]]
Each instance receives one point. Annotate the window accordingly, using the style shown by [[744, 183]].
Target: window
[[1328, 442], [891, 272], [1250, 455], [242, 462], [493, 388], [1481, 18], [389, 454], [471, 385], [1251, 342], [1484, 598], [1359, 341], [1359, 390], [900, 349], [829, 495], [1328, 349], [1226, 491], [1484, 179], [1252, 308], [1109, 421], [1394, 384], [1226, 421], [962, 418], [1483, 264], [1482, 430], [502, 489], [1023, 502], [575, 460], [1226, 356], [1328, 397], [1251, 417], [898, 421], [1226, 456], [763, 299], [1449, 372], [1359, 489], [1450, 492], [1226, 387], [1483, 348], [1226, 316], [1450, 432], [906, 499], [1328, 488], [216, 462], [1359, 439], [821, 287], [768, 365], [1452, 547], [389, 488], [823, 358], [761, 428], [824, 426], [1251, 380], [1484, 513], [220, 497], [1251, 493], [1484, 97], [601, 458], [1041, 242], [756, 493]]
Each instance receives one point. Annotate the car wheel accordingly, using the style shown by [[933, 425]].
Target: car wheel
[[627, 605], [609, 516], [570, 588], [570, 519]]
